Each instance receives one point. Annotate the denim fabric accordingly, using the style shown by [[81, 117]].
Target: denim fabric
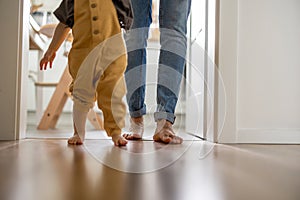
[[173, 15]]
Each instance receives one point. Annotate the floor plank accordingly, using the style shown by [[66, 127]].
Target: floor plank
[[37, 169]]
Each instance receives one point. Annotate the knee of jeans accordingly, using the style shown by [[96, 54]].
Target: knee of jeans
[[137, 38]]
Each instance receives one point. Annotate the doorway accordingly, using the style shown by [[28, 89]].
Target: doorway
[[195, 104]]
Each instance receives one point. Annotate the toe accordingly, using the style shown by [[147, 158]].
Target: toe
[[75, 140], [167, 136], [132, 136], [120, 142], [166, 139], [176, 140]]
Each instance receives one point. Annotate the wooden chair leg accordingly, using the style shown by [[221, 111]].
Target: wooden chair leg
[[95, 120], [57, 102]]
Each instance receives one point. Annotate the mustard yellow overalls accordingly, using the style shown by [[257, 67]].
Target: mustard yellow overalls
[[97, 62]]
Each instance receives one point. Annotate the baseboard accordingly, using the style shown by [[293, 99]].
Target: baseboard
[[268, 136]]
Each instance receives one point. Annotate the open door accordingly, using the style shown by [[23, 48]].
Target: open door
[[201, 70]]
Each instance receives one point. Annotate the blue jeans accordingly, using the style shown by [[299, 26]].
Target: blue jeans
[[173, 15]]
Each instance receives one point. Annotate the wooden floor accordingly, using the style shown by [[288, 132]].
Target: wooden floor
[[49, 169]]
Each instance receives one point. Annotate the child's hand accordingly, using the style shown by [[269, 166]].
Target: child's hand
[[48, 58]]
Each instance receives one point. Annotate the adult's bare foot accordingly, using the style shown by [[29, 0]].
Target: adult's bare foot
[[136, 129], [119, 140], [164, 133]]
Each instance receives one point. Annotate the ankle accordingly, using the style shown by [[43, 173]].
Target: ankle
[[137, 120], [163, 123]]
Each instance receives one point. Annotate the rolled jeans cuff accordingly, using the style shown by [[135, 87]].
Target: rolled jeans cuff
[[138, 113], [164, 115]]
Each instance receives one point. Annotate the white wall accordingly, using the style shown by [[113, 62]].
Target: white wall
[[12, 56], [260, 64]]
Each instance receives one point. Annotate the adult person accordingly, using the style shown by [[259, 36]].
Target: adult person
[[173, 16]]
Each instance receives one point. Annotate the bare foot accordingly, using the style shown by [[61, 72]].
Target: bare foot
[[164, 133], [119, 140], [136, 129], [75, 140]]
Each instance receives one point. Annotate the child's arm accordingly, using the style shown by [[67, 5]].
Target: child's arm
[[60, 34]]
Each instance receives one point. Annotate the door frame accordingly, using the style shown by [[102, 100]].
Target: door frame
[[14, 75], [210, 128], [210, 102]]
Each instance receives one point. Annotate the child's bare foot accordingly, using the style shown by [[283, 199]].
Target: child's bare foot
[[119, 140], [136, 129], [164, 133], [75, 140]]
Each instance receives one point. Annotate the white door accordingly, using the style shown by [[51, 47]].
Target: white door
[[201, 70], [195, 69]]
